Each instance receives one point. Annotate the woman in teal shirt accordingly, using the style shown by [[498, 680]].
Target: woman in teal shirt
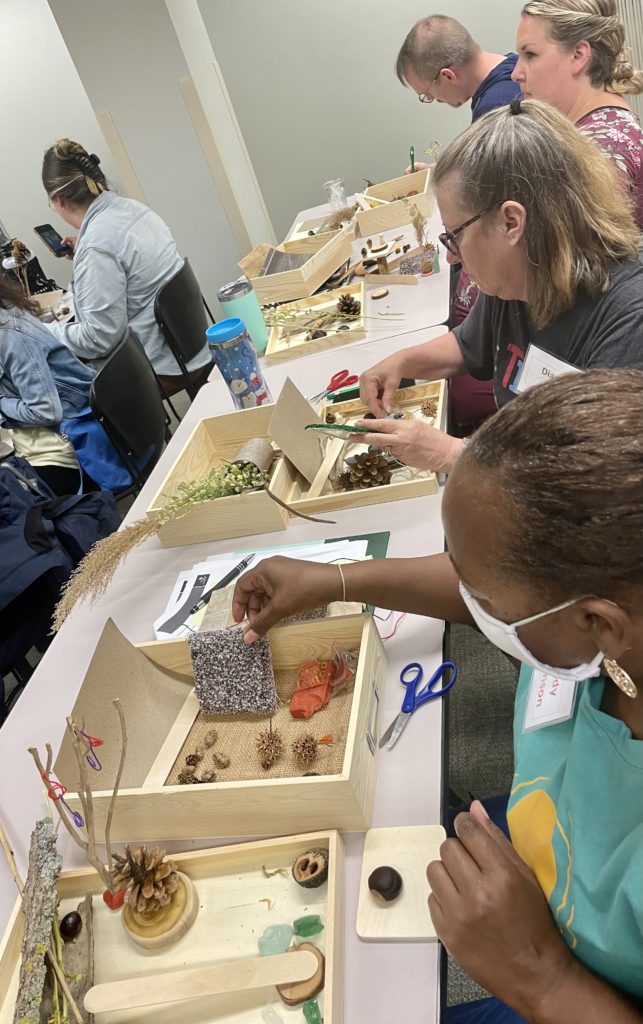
[[543, 513]]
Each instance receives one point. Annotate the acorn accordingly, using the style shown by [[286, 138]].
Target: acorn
[[310, 869], [71, 925], [385, 884]]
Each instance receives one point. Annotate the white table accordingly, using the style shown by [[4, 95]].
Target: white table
[[384, 982]]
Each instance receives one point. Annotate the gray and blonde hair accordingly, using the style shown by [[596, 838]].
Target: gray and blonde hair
[[567, 457], [434, 43], [72, 173], [578, 218], [596, 22]]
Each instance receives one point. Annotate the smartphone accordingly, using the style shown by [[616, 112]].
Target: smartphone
[[53, 240]]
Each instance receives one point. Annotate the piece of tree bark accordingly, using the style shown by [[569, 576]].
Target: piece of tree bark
[[78, 963], [38, 907]]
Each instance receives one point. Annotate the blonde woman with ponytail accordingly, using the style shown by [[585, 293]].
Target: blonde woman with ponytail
[[572, 54], [123, 255]]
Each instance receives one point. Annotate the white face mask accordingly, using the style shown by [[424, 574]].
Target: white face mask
[[505, 636]]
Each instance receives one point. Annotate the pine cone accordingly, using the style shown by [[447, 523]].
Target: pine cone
[[305, 749], [369, 469], [270, 746], [429, 407], [348, 305], [151, 880]]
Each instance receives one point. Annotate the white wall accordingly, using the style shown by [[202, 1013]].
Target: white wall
[[314, 88], [130, 61], [42, 99]]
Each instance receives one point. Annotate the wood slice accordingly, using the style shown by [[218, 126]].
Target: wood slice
[[169, 925], [298, 992]]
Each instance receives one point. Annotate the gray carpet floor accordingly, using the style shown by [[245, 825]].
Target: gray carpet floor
[[480, 764]]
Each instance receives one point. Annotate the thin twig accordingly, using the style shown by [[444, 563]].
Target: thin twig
[[60, 974], [11, 860], [81, 748], [112, 804], [44, 774]]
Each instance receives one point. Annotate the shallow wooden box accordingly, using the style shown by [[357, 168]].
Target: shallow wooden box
[[213, 440], [263, 803], [234, 911], [301, 241], [290, 346], [396, 212], [324, 260], [319, 496]]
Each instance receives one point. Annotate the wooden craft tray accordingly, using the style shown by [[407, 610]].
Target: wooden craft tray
[[320, 497], [396, 212], [300, 240], [282, 346], [213, 440], [260, 803], [305, 280], [237, 902]]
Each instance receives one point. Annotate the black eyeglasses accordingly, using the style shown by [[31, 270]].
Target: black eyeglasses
[[448, 238], [424, 97]]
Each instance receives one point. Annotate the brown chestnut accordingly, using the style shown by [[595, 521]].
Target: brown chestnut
[[71, 925], [385, 884]]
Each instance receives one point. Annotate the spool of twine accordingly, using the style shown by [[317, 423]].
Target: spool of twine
[[257, 451]]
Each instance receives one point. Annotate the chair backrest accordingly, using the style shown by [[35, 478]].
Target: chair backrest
[[126, 397], [181, 315]]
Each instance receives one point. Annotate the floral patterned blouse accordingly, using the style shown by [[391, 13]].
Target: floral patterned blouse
[[617, 131]]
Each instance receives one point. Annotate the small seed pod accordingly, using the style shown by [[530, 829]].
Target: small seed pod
[[385, 884], [221, 760], [210, 737], [310, 869], [208, 776], [193, 759]]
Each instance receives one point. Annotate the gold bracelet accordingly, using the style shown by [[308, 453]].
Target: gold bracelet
[[341, 573]]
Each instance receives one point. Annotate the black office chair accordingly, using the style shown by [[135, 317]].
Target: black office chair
[[180, 312], [127, 399]]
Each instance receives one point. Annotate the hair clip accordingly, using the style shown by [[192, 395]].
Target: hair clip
[[515, 106]]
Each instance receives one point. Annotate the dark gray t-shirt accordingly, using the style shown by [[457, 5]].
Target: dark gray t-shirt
[[606, 331]]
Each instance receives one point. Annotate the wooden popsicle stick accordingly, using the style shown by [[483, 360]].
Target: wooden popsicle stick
[[330, 458], [175, 986]]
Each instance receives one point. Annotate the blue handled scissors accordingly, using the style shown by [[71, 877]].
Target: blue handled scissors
[[341, 379], [411, 677]]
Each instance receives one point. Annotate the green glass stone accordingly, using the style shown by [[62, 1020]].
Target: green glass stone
[[275, 939], [312, 1013], [309, 925]]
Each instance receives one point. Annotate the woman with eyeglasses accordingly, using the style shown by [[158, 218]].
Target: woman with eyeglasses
[[572, 54], [532, 210], [123, 255], [543, 515]]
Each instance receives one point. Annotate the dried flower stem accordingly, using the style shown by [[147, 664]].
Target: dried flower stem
[[112, 804]]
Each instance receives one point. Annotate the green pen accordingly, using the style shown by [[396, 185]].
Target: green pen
[[412, 156]]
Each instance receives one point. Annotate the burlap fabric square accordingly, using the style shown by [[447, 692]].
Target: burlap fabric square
[[231, 677]]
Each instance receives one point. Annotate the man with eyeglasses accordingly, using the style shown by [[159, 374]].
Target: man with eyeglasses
[[441, 61]]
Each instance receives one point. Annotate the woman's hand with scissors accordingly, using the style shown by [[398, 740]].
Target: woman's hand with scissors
[[412, 442], [491, 914]]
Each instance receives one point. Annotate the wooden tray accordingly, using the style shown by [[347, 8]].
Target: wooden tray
[[320, 497], [214, 440], [409, 850], [237, 902], [395, 212], [284, 345], [300, 240], [305, 280], [260, 803]]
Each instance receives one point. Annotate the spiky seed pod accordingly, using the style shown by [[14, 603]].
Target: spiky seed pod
[[348, 305], [187, 778], [330, 417], [429, 407], [305, 749], [369, 469], [193, 759], [344, 481], [151, 880], [270, 747]]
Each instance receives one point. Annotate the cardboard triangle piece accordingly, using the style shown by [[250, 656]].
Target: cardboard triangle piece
[[151, 698], [287, 429]]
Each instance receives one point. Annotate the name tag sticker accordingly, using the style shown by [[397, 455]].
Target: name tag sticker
[[540, 366], [551, 700]]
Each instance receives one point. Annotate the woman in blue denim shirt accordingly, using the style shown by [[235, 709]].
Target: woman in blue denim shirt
[[123, 255], [41, 383]]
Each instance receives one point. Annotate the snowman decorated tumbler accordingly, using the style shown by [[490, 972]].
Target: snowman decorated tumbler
[[236, 357]]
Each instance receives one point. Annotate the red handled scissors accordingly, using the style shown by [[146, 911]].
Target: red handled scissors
[[342, 379]]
